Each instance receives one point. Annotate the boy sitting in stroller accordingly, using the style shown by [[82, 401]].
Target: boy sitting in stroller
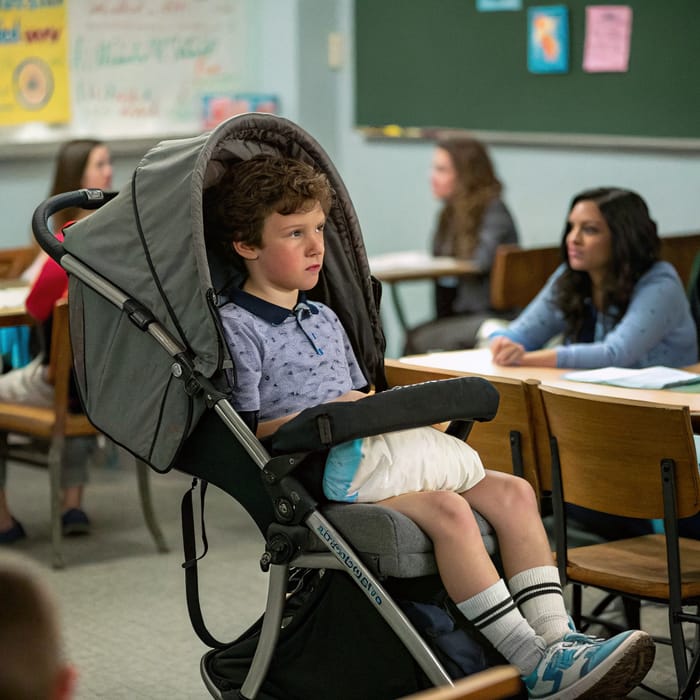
[[268, 213]]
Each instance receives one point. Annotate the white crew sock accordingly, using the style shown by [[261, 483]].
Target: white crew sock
[[495, 615], [538, 594]]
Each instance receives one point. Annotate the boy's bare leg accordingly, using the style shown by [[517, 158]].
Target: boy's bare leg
[[464, 564], [510, 506], [572, 665]]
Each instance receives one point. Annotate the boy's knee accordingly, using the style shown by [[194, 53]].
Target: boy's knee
[[519, 494], [451, 512]]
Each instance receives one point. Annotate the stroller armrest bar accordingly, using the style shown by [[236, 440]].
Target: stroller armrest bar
[[412, 406]]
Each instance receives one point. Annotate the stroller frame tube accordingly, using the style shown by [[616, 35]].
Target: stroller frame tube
[[380, 599], [119, 299]]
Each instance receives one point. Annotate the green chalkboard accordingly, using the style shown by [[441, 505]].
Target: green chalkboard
[[443, 64]]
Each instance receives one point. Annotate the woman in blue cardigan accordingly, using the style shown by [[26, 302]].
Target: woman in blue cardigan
[[612, 302]]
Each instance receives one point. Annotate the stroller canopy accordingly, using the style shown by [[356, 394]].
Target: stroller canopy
[[149, 243]]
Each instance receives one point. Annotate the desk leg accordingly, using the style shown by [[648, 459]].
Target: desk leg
[[397, 305]]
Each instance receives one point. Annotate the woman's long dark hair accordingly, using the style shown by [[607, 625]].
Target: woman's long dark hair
[[475, 188], [635, 248], [70, 165]]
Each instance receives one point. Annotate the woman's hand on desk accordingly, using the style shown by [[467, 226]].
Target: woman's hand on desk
[[507, 352]]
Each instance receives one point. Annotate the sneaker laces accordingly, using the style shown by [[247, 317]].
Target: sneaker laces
[[581, 638]]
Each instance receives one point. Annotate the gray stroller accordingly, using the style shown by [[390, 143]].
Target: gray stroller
[[149, 366]]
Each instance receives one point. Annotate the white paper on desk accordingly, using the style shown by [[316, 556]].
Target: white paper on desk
[[13, 297], [390, 261], [407, 260], [649, 378]]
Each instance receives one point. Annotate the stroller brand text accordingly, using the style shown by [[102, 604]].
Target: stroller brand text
[[352, 566]]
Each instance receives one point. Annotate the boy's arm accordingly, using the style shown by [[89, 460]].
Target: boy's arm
[[268, 427]]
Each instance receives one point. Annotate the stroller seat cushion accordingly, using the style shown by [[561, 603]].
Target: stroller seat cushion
[[391, 544]]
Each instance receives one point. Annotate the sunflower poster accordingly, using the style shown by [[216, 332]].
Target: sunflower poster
[[33, 62]]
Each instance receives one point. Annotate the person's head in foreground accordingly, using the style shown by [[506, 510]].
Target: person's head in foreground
[[31, 662]]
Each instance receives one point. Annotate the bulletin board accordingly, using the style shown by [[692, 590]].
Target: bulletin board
[[424, 64], [136, 69]]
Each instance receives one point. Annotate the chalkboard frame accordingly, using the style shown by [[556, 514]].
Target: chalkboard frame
[[412, 61]]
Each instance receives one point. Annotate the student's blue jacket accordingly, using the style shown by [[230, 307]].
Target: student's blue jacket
[[657, 328]]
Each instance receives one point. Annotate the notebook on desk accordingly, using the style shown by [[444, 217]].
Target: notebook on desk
[[648, 378]]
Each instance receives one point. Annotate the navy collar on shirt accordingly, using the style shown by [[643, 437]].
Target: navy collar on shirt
[[271, 312]]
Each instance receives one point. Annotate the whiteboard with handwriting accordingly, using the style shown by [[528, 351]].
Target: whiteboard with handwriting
[[142, 68]]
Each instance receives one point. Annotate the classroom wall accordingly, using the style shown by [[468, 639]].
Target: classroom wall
[[388, 181], [389, 185]]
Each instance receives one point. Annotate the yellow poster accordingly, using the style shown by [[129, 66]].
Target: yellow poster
[[33, 62]]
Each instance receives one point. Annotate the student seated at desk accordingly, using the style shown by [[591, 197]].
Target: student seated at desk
[[80, 163], [611, 303], [473, 222]]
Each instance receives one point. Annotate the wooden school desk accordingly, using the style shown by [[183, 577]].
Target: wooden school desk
[[12, 297], [479, 362], [412, 265]]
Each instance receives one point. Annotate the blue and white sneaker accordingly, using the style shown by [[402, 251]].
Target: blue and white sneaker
[[580, 666]]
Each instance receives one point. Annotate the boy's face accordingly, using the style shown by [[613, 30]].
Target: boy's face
[[289, 258]]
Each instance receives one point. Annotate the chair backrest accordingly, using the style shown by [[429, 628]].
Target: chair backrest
[[609, 452], [694, 293], [60, 355], [680, 250], [492, 684], [506, 443], [59, 374], [14, 261], [519, 273]]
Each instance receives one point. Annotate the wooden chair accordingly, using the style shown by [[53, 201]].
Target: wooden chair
[[632, 459], [14, 261], [506, 443], [492, 684], [680, 250], [518, 274], [53, 425]]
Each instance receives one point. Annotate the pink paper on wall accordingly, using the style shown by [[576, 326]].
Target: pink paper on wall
[[608, 33]]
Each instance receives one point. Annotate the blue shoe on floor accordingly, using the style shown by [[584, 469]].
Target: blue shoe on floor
[[13, 534], [580, 666], [75, 522]]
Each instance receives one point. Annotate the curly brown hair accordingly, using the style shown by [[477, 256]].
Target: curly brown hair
[[476, 187], [635, 247], [250, 190]]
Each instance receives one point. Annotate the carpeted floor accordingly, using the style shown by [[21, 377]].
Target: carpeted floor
[[123, 604]]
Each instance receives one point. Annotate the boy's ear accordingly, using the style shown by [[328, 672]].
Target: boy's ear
[[246, 250]]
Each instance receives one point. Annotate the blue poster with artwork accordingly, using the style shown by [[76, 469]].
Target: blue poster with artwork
[[548, 39]]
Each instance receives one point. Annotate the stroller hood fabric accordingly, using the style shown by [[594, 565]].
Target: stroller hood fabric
[[149, 243]]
